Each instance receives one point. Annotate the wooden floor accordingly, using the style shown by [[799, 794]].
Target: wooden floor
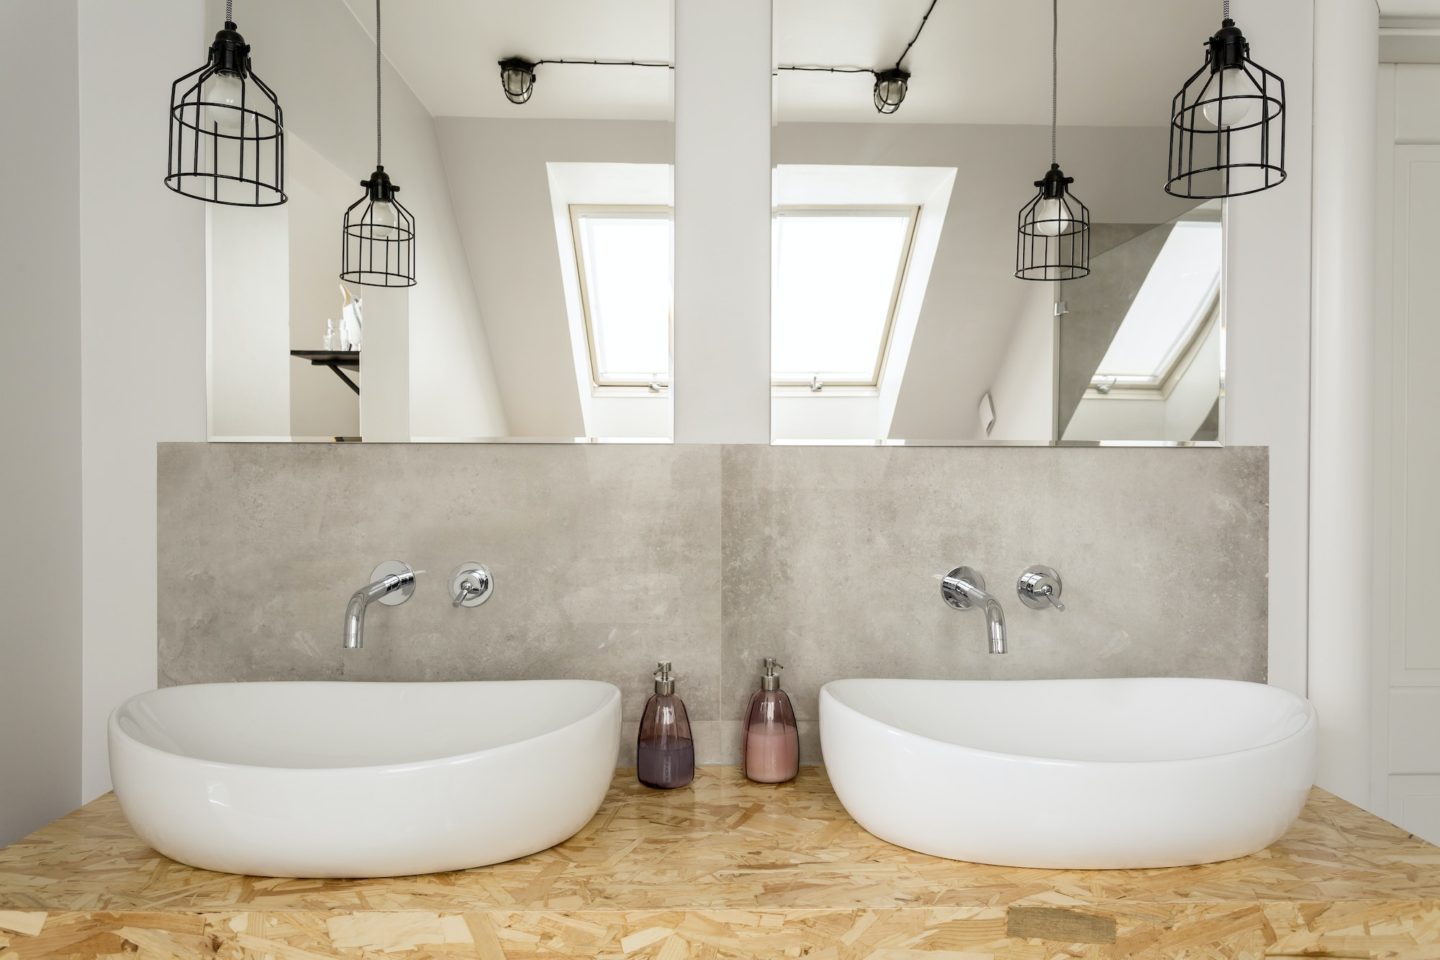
[[728, 868]]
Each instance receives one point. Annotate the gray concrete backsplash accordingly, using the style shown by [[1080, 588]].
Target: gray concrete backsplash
[[609, 557]]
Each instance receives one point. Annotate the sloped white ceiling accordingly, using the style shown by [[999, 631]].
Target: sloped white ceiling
[[1120, 60]]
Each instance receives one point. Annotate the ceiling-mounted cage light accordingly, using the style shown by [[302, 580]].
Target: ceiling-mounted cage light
[[1227, 123], [890, 89], [378, 233], [227, 131], [1053, 236], [1053, 230], [517, 79]]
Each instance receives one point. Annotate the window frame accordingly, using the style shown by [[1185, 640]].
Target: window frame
[[619, 211], [902, 270]]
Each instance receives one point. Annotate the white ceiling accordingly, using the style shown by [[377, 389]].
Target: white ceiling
[[1120, 60], [448, 50]]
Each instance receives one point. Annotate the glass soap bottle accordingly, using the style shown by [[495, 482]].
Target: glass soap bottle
[[665, 750], [772, 740]]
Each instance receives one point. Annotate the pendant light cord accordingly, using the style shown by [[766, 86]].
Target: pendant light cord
[[377, 83], [229, 17], [1055, 72], [918, 31], [1227, 9]]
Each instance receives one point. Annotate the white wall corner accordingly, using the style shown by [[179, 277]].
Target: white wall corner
[[1341, 419]]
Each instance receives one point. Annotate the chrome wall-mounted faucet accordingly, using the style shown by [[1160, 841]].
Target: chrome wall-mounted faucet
[[392, 583], [964, 588]]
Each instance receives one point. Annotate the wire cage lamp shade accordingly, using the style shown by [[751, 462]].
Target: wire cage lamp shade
[[379, 237], [378, 232], [890, 89], [1227, 124], [517, 79], [227, 131], [1053, 232]]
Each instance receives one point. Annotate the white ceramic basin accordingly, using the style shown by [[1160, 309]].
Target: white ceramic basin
[[362, 779], [1070, 773]]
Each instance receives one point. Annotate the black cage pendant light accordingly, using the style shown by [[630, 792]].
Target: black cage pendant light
[[378, 232], [1053, 237], [227, 132], [1227, 124]]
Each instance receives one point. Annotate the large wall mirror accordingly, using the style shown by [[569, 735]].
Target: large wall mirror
[[543, 195], [896, 313], [543, 228]]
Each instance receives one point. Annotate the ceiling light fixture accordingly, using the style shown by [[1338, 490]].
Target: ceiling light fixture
[[378, 233], [517, 78], [517, 75], [1053, 239], [891, 84], [227, 132], [1227, 123], [890, 89]]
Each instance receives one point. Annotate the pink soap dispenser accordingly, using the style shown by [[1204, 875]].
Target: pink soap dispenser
[[772, 741]]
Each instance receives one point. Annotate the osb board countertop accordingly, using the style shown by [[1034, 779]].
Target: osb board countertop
[[728, 868]]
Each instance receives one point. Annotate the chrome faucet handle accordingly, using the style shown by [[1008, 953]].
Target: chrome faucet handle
[[471, 584], [1039, 586]]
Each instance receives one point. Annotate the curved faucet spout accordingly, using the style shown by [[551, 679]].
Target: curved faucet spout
[[360, 600], [995, 624], [963, 592]]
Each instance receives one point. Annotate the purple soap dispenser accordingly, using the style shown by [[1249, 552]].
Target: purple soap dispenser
[[665, 750]]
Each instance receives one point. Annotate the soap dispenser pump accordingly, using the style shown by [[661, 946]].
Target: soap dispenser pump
[[665, 749], [772, 740]]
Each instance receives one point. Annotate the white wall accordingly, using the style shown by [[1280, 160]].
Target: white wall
[[1023, 391], [723, 96], [321, 63], [142, 338], [320, 404], [1343, 325], [247, 312], [40, 635], [1267, 313]]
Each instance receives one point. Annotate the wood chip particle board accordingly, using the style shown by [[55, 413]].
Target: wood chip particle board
[[724, 869]]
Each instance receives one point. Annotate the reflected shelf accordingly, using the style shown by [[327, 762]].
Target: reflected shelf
[[337, 360]]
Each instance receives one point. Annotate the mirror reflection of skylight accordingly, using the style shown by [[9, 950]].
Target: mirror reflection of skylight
[[836, 277], [1169, 309], [628, 282]]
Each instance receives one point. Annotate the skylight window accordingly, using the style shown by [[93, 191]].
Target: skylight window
[[837, 275], [627, 280], [1172, 306]]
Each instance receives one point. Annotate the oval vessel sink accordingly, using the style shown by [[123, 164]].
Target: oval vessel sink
[[1082, 774], [363, 779]]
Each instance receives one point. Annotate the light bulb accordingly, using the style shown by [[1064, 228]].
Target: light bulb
[[1227, 112], [384, 220], [1052, 218], [223, 93]]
